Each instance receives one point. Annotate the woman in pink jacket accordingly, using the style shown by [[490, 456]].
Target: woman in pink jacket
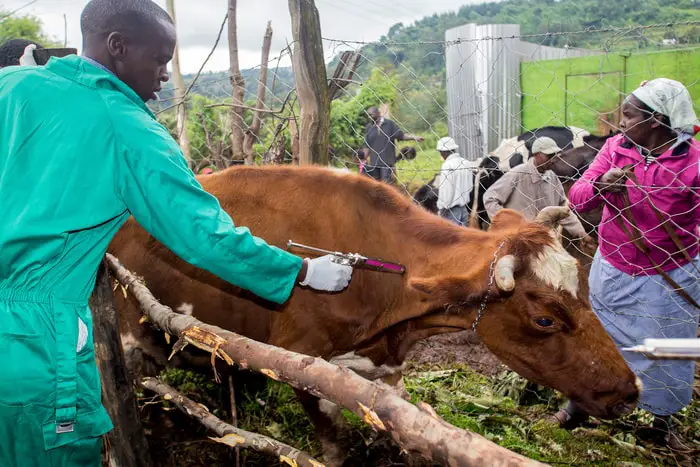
[[647, 180]]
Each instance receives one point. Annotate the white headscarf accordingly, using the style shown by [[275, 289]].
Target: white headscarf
[[672, 99]]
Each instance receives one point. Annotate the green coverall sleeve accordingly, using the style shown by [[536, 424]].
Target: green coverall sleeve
[[166, 199]]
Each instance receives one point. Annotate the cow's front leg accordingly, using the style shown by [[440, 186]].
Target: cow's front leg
[[329, 425]]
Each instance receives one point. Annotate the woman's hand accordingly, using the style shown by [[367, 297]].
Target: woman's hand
[[613, 181]]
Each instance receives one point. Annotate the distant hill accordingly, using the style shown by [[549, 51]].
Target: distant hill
[[425, 63]]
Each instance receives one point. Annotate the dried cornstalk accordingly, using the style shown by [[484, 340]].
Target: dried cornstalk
[[414, 429], [229, 434]]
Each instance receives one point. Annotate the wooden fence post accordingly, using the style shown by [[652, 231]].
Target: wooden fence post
[[183, 137], [238, 126], [311, 83], [126, 445]]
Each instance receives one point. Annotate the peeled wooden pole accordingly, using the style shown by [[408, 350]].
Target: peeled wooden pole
[[229, 434], [415, 430]]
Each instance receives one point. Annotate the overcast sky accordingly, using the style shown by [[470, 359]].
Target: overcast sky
[[199, 22]]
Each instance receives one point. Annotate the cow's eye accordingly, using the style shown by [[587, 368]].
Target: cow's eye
[[544, 322]]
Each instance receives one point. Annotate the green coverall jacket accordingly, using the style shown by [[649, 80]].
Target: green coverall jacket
[[79, 154]]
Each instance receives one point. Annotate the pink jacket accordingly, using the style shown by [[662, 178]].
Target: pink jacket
[[671, 181]]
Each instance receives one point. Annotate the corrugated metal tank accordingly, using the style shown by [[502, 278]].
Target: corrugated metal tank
[[483, 83], [463, 101]]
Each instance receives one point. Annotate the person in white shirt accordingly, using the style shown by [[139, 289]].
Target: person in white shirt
[[456, 183]]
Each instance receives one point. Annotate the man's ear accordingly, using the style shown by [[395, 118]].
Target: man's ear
[[116, 45]]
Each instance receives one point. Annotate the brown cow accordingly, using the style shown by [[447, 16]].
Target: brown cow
[[537, 320]]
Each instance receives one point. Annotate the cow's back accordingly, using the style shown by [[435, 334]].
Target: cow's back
[[270, 203]]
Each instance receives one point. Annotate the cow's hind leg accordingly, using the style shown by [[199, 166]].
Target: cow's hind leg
[[329, 425]]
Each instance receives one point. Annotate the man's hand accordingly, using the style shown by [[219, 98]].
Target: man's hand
[[325, 275], [612, 182], [419, 139], [27, 59]]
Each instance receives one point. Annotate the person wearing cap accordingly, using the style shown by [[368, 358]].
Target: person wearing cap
[[15, 52], [646, 179], [531, 187], [455, 184]]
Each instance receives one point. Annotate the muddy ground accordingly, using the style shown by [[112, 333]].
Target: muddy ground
[[459, 347]]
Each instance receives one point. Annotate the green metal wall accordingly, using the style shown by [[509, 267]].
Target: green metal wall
[[577, 91]]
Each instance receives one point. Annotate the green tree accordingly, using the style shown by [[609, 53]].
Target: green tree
[[24, 27], [349, 116]]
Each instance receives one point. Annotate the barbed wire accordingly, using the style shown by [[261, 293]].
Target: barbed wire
[[520, 36]]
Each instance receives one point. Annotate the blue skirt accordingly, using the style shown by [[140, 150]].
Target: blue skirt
[[636, 308]]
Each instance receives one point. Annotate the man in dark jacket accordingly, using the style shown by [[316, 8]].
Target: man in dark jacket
[[380, 137]]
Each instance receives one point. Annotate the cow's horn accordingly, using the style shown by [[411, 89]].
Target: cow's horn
[[552, 215], [504, 272]]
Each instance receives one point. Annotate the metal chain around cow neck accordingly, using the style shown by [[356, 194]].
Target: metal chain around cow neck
[[492, 277]]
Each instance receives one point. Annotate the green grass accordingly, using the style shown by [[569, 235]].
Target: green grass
[[413, 174], [504, 409]]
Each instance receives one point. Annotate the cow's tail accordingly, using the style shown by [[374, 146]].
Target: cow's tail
[[474, 216]]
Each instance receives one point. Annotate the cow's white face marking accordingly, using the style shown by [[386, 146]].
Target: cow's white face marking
[[557, 268], [364, 367], [185, 309]]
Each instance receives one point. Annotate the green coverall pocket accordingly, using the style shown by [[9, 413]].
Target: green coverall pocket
[[27, 373]]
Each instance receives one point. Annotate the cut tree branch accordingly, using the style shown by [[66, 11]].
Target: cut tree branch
[[414, 429], [230, 435], [349, 61]]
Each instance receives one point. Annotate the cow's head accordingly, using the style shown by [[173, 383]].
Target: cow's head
[[536, 319]]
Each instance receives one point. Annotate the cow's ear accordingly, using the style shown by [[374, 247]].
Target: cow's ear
[[507, 219], [443, 290]]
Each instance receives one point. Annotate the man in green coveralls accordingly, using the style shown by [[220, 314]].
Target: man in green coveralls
[[79, 153]]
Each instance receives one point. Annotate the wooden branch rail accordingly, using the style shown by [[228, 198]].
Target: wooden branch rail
[[230, 435], [414, 429]]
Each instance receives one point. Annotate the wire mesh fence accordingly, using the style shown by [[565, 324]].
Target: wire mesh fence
[[495, 92]]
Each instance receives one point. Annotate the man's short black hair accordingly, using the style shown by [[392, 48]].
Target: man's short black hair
[[11, 51], [101, 17]]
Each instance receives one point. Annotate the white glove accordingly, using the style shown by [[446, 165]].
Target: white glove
[[323, 274], [27, 59]]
